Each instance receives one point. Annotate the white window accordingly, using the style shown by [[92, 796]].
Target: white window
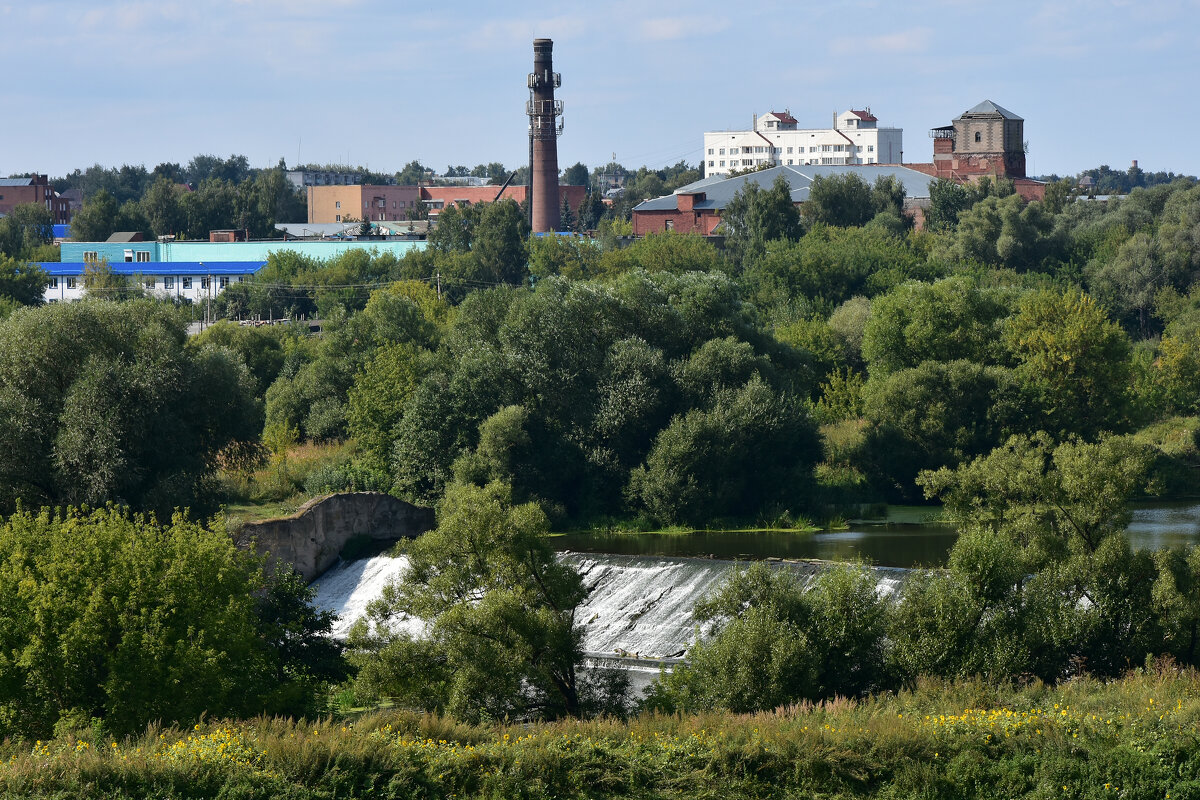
[[143, 255], [169, 282], [222, 282], [205, 282], [733, 151], [89, 256], [148, 283], [722, 152], [338, 218], [669, 225], [870, 148], [187, 283], [128, 255], [789, 162], [53, 284], [710, 163], [722, 163], [789, 153], [70, 283], [710, 151], [337, 204], [812, 149]]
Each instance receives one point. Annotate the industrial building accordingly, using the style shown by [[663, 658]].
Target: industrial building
[[333, 204], [697, 207], [185, 252], [35, 189], [775, 138], [192, 281]]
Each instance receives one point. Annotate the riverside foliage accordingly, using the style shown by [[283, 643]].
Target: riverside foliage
[[1133, 738]]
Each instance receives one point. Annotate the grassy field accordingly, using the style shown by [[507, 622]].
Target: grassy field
[[1135, 738]]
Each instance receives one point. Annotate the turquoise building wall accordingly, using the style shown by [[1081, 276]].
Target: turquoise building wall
[[114, 252]]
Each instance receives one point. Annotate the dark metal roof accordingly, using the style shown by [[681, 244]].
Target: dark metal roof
[[988, 107]]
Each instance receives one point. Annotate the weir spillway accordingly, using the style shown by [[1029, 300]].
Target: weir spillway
[[638, 607]]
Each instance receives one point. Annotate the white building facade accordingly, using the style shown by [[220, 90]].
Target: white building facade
[[777, 140], [194, 282]]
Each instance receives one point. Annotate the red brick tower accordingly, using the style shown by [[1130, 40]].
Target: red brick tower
[[544, 128]]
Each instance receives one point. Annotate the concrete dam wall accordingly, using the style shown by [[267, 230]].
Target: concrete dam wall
[[312, 538]]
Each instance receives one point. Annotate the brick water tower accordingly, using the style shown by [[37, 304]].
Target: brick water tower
[[545, 126]]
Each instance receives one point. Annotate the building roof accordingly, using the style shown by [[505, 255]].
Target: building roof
[[865, 115], [784, 116], [988, 107], [181, 268], [719, 190], [16, 181], [126, 236]]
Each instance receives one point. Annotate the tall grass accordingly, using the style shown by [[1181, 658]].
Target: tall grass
[[1134, 738]]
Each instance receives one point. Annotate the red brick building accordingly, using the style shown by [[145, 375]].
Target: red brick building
[[331, 204], [438, 197], [18, 191]]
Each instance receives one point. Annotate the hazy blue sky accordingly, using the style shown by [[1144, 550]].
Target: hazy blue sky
[[381, 83]]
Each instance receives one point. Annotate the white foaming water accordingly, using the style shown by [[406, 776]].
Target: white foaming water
[[348, 586], [638, 607]]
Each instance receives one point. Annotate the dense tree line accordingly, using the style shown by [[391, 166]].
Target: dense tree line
[[1030, 364]]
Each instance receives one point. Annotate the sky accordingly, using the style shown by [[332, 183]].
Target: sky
[[379, 84]]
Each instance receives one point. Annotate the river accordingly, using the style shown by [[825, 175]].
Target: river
[[905, 538]]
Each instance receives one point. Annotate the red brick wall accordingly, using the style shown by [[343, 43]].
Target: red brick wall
[[702, 222], [487, 194]]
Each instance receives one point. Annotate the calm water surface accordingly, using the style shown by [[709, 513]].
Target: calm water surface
[[905, 539]]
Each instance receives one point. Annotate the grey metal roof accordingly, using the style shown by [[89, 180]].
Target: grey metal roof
[[16, 181], [719, 190], [988, 107]]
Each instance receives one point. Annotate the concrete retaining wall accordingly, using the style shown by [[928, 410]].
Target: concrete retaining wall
[[311, 539]]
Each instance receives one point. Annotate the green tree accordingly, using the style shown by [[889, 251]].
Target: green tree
[[751, 452], [97, 220], [575, 175], [499, 242], [947, 320], [412, 174], [756, 216], [500, 638], [111, 617], [163, 209], [28, 227], [774, 641], [1072, 361], [22, 283], [840, 200], [103, 402]]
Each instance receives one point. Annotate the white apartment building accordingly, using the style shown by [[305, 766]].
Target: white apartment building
[[855, 138]]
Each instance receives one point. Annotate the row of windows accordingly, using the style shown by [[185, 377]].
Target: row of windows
[[837, 148], [790, 162], [168, 282]]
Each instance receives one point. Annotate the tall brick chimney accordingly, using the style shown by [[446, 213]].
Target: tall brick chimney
[[544, 128]]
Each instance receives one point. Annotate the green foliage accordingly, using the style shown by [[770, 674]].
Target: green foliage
[[1072, 361], [1042, 495], [23, 284], [950, 319], [775, 642], [111, 617], [842, 200], [104, 402], [572, 257], [500, 639], [663, 252], [756, 216], [25, 229], [752, 449]]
